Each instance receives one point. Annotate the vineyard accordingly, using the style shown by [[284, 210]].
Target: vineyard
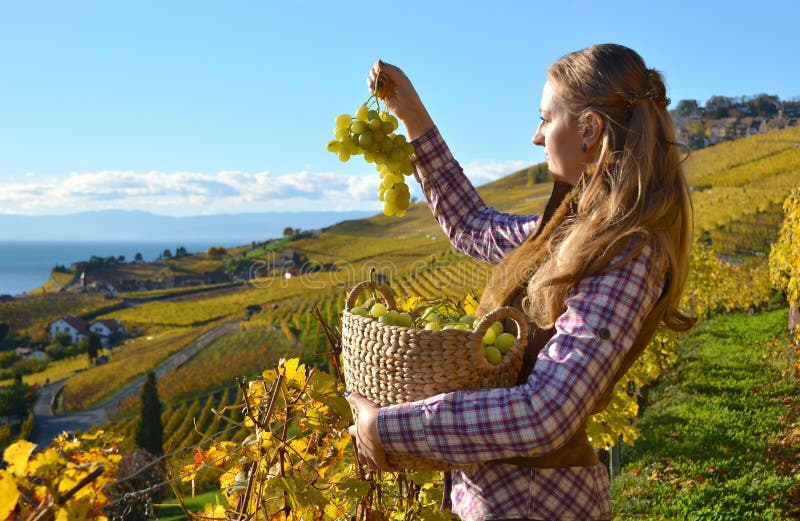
[[268, 396], [94, 385], [739, 187]]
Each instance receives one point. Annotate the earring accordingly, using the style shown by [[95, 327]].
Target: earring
[[583, 147]]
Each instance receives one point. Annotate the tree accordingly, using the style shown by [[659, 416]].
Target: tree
[[698, 132], [15, 399], [121, 259], [93, 347], [138, 257], [686, 107], [167, 254], [216, 251], [63, 338], [180, 252], [538, 173], [719, 106], [764, 105], [150, 432], [288, 231]]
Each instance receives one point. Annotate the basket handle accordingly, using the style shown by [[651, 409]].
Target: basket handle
[[361, 286], [499, 314]]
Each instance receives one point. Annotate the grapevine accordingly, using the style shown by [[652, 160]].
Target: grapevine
[[371, 132], [67, 480], [784, 259], [297, 462]]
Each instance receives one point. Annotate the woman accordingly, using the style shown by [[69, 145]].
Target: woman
[[597, 272]]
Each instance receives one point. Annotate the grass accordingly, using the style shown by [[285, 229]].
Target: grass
[[170, 509], [721, 434]]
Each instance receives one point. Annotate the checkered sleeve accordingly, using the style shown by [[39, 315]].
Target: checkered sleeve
[[472, 227], [602, 318]]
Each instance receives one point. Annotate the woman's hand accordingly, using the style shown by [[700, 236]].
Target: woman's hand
[[365, 433], [394, 87]]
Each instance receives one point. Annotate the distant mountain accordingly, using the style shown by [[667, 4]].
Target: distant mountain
[[121, 225]]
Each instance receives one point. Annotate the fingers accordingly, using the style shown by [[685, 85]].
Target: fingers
[[363, 432], [354, 399], [362, 451], [376, 80], [358, 402], [383, 76]]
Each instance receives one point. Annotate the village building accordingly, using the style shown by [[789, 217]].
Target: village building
[[105, 328], [77, 328], [29, 353]]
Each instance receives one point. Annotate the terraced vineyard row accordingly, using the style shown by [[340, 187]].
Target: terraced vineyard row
[[739, 187], [186, 424], [90, 387], [711, 166]]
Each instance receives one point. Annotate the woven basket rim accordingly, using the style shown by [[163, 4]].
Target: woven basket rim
[[461, 336]]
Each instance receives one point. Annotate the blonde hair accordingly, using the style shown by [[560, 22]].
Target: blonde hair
[[634, 192]]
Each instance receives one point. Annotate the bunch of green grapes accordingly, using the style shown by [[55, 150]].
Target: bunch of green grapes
[[371, 132], [496, 342]]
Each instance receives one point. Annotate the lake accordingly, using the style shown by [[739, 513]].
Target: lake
[[26, 265]]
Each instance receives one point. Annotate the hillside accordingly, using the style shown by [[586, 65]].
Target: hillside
[[738, 187]]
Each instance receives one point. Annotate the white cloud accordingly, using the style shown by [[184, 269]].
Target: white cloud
[[484, 171], [227, 191], [189, 193]]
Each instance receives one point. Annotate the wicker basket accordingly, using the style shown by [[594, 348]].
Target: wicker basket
[[393, 364]]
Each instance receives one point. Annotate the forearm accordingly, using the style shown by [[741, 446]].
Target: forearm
[[417, 123], [472, 226]]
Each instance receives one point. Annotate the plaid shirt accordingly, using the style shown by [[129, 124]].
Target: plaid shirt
[[572, 371]]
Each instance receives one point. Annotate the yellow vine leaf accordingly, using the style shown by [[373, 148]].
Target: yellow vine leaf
[[332, 512], [9, 494], [17, 455], [228, 477], [294, 372], [470, 303], [45, 462], [409, 304], [214, 511]]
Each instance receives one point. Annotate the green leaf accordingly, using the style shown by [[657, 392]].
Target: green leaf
[[341, 406], [321, 386], [300, 493], [353, 488]]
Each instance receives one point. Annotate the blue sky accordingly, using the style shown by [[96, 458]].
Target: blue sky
[[192, 107]]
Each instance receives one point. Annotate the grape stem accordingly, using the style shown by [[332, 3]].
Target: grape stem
[[374, 97], [375, 92]]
